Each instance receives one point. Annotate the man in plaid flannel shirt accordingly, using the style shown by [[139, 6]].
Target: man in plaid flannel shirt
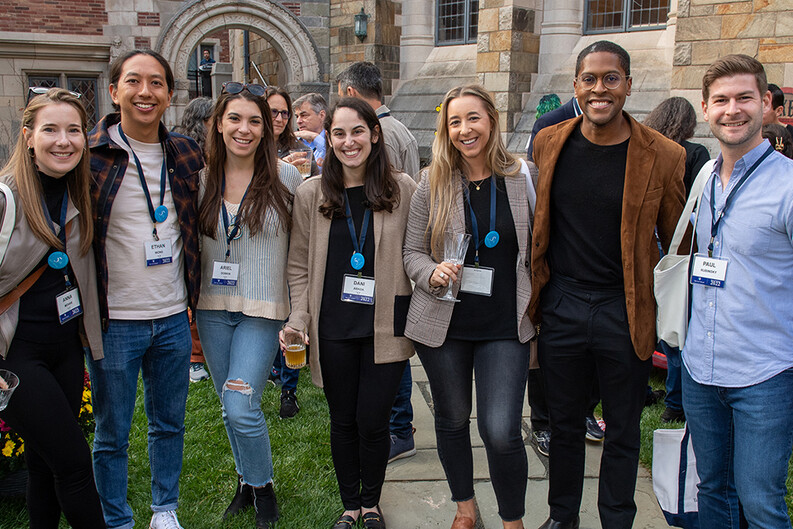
[[145, 212]]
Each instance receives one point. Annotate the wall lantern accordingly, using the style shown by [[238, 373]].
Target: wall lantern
[[361, 19]]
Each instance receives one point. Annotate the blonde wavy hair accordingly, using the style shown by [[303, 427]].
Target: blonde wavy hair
[[447, 168], [21, 168]]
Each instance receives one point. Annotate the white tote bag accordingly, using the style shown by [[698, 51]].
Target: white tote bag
[[670, 276], [675, 477]]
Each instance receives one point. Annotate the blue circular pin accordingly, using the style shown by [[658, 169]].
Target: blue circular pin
[[58, 260], [161, 213], [357, 261], [491, 239]]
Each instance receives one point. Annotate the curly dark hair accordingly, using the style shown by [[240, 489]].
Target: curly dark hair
[[674, 118]]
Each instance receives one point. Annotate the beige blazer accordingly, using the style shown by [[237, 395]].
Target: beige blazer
[[24, 252], [308, 250], [428, 317]]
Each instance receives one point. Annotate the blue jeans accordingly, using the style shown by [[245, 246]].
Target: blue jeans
[[500, 368], [239, 350], [161, 350], [742, 439], [674, 390], [289, 377], [401, 423]]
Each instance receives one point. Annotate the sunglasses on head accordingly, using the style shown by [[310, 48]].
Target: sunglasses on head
[[234, 87], [39, 90]]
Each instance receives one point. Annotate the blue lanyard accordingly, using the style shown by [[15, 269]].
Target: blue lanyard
[[357, 260], [235, 228], [383, 115], [716, 221], [161, 213], [58, 260], [491, 239]]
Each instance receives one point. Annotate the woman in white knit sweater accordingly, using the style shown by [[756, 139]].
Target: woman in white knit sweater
[[244, 220]]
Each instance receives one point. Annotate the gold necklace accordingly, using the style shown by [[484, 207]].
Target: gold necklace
[[478, 183]]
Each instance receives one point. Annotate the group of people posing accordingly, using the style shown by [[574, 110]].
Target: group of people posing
[[125, 225]]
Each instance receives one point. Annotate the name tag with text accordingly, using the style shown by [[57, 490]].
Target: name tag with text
[[158, 252], [356, 289], [225, 274], [709, 271]]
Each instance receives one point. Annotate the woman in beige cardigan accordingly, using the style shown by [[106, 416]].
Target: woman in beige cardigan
[[474, 186], [349, 289]]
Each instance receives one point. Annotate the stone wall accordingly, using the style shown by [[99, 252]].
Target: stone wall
[[75, 17]]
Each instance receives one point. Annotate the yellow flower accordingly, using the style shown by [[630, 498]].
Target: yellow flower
[[8, 449], [21, 448], [438, 108], [88, 408]]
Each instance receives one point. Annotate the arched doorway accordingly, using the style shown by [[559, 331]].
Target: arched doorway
[[278, 25]]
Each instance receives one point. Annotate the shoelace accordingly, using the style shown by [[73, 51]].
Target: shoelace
[[169, 519]]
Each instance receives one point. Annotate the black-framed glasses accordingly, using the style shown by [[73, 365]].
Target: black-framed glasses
[[283, 113], [233, 87], [612, 81], [34, 91]]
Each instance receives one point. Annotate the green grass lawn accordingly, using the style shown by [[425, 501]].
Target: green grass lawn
[[304, 480]]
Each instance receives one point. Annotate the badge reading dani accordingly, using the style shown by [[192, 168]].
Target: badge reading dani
[[225, 274], [68, 305], [356, 289], [709, 271], [158, 252]]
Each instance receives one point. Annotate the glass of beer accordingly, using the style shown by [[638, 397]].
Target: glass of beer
[[8, 383], [301, 158], [295, 350]]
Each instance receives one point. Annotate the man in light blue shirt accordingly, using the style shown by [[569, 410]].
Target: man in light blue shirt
[[311, 112], [738, 381]]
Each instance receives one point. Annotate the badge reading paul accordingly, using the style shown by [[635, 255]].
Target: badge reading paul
[[709, 271]]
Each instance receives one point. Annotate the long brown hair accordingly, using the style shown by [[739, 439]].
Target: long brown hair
[[22, 168], [380, 187], [266, 188], [674, 118], [447, 166], [287, 138]]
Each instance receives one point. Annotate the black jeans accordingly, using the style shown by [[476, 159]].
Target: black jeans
[[360, 394], [584, 335], [43, 410], [500, 368]]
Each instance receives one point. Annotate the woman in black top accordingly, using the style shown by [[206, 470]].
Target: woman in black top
[[349, 289], [43, 332]]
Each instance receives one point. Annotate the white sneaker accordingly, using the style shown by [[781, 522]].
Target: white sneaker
[[198, 372], [165, 520]]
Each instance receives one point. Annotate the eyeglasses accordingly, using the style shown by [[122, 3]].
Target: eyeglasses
[[612, 81], [234, 87], [40, 90], [283, 113]]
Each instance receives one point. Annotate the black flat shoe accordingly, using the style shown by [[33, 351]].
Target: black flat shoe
[[373, 520], [345, 521], [243, 499], [550, 523]]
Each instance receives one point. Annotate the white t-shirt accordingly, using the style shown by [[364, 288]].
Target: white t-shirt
[[136, 291]]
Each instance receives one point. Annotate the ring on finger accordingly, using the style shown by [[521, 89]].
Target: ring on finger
[[441, 275]]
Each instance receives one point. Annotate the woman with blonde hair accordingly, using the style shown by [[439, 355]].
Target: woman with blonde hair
[[474, 186], [49, 307]]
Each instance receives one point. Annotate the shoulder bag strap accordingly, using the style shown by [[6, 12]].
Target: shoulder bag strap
[[693, 198]]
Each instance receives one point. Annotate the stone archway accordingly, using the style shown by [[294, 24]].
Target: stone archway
[[277, 24]]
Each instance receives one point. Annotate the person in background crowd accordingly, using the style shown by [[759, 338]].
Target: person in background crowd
[[311, 111], [567, 111], [194, 125], [675, 118], [244, 217], [49, 265], [738, 365], [283, 130], [364, 81], [354, 307], [474, 186], [592, 265], [144, 197], [780, 138]]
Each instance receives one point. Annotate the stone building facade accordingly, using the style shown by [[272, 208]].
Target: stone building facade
[[518, 49]]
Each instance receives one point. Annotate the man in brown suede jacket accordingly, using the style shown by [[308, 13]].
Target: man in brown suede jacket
[[605, 183]]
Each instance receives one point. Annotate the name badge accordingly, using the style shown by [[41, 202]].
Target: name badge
[[158, 252], [69, 306], [477, 280], [358, 289], [225, 274], [709, 271]]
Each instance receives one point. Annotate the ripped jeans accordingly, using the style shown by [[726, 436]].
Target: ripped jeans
[[239, 350]]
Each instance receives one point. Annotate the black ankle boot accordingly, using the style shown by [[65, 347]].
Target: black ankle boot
[[266, 507], [243, 498]]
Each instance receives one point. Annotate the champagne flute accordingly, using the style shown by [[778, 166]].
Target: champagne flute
[[455, 246]]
